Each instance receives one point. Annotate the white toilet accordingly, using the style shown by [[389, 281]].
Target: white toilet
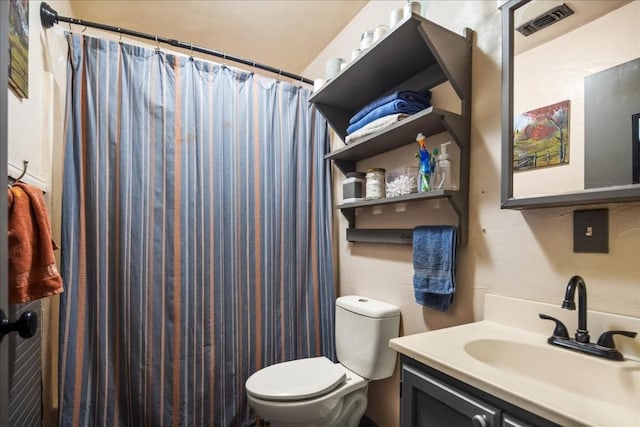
[[315, 392]]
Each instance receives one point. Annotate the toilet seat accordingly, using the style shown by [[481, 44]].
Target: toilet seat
[[296, 380]]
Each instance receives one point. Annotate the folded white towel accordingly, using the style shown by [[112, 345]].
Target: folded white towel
[[375, 126]]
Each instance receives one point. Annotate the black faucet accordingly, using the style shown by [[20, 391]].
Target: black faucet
[[605, 346], [582, 334]]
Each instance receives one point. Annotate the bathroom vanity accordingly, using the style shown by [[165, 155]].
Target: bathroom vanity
[[429, 397], [502, 372]]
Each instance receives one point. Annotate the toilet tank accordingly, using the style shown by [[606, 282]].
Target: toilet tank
[[364, 327]]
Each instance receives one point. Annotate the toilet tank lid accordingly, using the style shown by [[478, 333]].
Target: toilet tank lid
[[368, 307], [296, 380]]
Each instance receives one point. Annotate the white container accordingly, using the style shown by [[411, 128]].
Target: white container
[[412, 7], [366, 40], [375, 184], [317, 84], [353, 187], [355, 53], [332, 67], [395, 17], [379, 32]]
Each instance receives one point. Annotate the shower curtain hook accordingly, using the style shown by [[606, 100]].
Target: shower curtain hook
[[120, 34], [191, 48], [157, 45]]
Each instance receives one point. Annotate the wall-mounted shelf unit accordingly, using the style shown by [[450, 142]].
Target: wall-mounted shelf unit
[[416, 55], [390, 235]]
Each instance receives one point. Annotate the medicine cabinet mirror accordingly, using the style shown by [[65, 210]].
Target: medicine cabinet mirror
[[571, 102]]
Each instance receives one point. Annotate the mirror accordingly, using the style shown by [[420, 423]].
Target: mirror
[[571, 99]]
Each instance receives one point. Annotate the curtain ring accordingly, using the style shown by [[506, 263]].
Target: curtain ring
[[120, 34], [83, 29], [157, 45]]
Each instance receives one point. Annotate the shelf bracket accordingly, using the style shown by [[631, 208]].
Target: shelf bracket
[[350, 215], [453, 53], [457, 129], [345, 166]]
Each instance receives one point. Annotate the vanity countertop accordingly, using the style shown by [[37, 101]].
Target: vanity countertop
[[515, 363]]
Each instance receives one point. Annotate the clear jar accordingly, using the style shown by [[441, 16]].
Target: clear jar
[[375, 184], [412, 7], [401, 181], [353, 187], [366, 40]]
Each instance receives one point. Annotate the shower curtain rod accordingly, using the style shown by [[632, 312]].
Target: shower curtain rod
[[49, 17]]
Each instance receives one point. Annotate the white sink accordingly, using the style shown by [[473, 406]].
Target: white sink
[[519, 366], [589, 376]]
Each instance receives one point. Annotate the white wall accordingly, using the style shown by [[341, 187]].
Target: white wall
[[523, 254], [35, 130]]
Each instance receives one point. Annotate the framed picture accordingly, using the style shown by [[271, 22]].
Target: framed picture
[[19, 47], [541, 137]]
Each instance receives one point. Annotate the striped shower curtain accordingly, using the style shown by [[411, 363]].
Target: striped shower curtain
[[196, 236]]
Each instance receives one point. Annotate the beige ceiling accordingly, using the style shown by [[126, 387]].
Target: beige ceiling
[[284, 34]]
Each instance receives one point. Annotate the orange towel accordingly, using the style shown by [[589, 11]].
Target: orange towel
[[32, 266]]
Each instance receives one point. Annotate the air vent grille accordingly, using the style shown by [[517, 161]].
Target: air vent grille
[[551, 16]]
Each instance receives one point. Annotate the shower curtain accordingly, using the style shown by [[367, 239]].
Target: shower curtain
[[195, 240]]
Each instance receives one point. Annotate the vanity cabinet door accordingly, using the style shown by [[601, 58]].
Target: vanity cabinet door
[[428, 402], [510, 421]]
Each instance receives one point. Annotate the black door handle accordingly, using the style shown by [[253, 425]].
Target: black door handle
[[26, 325]]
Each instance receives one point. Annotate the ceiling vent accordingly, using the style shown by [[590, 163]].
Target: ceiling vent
[[549, 17]]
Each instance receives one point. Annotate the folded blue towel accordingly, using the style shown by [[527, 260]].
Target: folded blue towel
[[405, 95], [391, 107], [434, 264]]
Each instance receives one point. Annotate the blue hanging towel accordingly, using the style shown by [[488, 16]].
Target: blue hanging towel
[[434, 264]]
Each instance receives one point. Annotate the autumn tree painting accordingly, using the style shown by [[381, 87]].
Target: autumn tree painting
[[541, 137]]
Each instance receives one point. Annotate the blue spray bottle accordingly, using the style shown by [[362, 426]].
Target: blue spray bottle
[[424, 173]]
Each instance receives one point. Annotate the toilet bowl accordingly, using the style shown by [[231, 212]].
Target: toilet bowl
[[313, 392], [316, 392]]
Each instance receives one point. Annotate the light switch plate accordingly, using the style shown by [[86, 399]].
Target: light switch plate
[[591, 231]]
